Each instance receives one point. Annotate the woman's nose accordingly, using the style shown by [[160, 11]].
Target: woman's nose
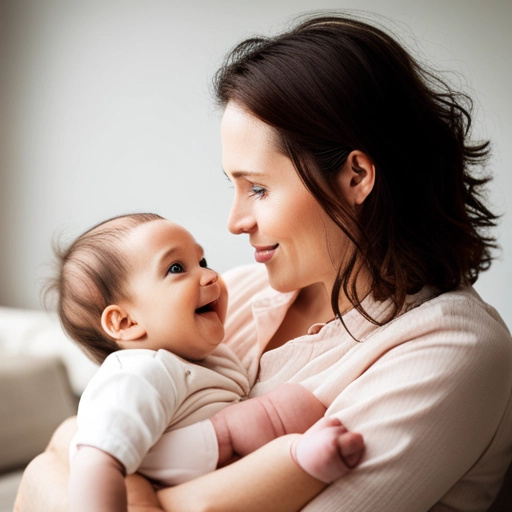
[[208, 276], [239, 221]]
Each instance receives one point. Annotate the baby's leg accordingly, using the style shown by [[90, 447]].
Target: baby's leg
[[243, 427], [328, 450]]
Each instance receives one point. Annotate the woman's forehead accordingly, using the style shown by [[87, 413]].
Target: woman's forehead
[[247, 142]]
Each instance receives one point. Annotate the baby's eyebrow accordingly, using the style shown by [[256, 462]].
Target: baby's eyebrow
[[166, 256]]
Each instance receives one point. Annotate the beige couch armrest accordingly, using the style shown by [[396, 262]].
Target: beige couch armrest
[[38, 333], [35, 397]]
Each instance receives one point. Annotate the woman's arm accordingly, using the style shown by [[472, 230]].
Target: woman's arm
[[273, 476], [44, 486], [289, 471], [258, 482]]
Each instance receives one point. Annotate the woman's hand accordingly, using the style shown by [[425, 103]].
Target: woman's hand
[[141, 495], [266, 479], [44, 485]]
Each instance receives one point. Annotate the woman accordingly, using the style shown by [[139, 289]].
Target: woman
[[351, 166]]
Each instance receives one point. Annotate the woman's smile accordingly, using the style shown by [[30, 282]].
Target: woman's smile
[[264, 254]]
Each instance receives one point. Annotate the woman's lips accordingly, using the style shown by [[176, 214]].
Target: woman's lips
[[264, 254]]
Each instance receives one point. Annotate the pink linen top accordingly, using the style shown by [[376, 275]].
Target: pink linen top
[[430, 392]]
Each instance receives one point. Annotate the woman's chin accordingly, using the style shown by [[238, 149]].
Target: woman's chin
[[282, 285]]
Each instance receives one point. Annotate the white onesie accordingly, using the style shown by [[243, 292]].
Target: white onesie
[[138, 396]]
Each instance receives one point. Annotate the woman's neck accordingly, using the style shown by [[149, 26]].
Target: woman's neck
[[312, 305], [314, 302]]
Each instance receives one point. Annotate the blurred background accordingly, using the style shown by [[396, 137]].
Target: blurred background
[[106, 108]]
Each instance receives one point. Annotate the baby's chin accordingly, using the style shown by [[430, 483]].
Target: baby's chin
[[210, 345]]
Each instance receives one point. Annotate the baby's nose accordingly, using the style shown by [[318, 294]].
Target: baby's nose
[[208, 276]]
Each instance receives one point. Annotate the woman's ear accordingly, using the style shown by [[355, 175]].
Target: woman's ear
[[117, 322], [357, 178]]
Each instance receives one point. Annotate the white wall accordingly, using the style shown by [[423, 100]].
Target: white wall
[[107, 109]]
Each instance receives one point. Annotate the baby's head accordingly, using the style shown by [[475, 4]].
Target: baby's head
[[140, 281]]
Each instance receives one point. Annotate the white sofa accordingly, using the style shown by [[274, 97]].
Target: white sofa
[[42, 374]]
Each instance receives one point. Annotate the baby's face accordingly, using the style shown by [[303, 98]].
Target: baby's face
[[178, 300]]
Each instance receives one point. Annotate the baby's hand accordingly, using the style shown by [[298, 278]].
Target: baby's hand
[[327, 451]]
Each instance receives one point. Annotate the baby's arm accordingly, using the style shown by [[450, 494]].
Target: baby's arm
[[246, 426], [326, 451], [96, 482]]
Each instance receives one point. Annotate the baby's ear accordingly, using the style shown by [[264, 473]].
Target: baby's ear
[[118, 323]]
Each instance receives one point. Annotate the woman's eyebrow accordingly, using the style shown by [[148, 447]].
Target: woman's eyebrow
[[242, 174]]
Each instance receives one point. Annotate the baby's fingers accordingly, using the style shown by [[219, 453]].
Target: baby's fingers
[[327, 451], [351, 446], [325, 422]]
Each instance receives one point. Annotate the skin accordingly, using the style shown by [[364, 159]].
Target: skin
[[301, 249], [267, 192], [175, 302]]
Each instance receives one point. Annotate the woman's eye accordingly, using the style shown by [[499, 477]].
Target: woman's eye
[[203, 263], [257, 191], [176, 268]]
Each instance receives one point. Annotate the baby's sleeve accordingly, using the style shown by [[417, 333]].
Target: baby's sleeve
[[128, 405]]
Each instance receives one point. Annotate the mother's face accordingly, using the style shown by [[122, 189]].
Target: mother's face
[[290, 232]]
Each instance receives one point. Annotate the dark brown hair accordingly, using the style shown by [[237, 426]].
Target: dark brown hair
[[91, 275], [334, 84]]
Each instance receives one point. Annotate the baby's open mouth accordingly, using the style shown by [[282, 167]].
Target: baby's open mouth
[[207, 308]]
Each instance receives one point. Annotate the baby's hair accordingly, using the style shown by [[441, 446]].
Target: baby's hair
[[91, 275]]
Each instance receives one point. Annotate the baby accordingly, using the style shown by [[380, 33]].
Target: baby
[[136, 293]]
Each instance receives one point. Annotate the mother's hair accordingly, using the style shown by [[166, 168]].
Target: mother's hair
[[334, 84]]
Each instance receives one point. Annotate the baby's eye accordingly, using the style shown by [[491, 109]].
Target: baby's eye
[[203, 263], [176, 268]]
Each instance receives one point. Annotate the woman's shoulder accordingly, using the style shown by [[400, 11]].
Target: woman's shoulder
[[459, 319], [463, 309], [438, 379], [460, 313]]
